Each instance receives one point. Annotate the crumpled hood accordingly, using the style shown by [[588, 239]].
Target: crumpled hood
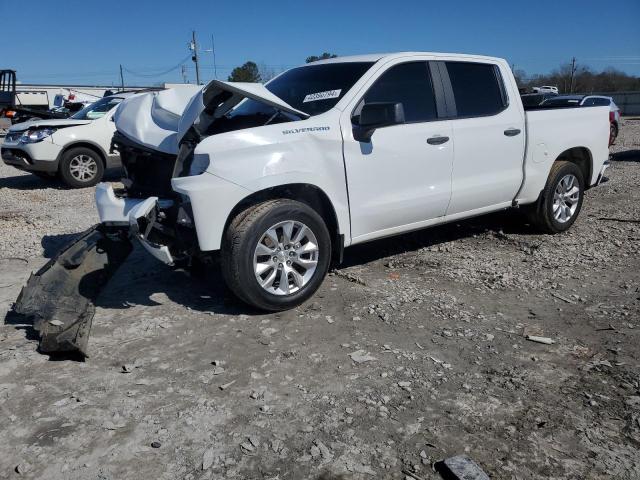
[[159, 120], [151, 119], [60, 123], [213, 98]]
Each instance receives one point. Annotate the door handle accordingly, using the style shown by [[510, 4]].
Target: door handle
[[437, 140], [512, 132]]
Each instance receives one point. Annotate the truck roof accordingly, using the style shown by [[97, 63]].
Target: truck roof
[[374, 57]]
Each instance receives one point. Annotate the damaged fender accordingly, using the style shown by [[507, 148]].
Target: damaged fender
[[60, 297]]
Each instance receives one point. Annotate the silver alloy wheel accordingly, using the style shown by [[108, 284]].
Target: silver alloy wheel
[[286, 257], [83, 168], [566, 198]]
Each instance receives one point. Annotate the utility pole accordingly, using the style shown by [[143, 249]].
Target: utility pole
[[573, 71], [194, 57], [213, 52], [121, 78]]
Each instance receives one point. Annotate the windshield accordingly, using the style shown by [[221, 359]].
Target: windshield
[[97, 109], [312, 89]]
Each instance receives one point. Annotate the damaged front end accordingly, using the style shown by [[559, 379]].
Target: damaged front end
[[157, 135], [59, 299]]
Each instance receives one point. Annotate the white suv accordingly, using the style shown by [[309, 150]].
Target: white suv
[[545, 89], [75, 148]]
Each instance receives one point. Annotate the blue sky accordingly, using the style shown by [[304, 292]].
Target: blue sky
[[83, 42]]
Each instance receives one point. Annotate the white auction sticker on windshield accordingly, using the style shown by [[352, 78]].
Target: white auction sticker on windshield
[[313, 97]]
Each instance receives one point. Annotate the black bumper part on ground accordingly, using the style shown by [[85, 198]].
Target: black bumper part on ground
[[60, 297]]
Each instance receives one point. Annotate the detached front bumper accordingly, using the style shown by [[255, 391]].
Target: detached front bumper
[[152, 221]]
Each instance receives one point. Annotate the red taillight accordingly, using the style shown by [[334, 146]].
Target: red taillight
[[612, 116]]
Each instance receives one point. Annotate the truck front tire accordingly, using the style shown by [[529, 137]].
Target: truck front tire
[[561, 200], [81, 167], [275, 254]]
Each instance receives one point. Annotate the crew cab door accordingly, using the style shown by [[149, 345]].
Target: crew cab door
[[489, 135], [402, 176]]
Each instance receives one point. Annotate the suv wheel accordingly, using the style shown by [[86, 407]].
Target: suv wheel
[[276, 254], [561, 200], [81, 167]]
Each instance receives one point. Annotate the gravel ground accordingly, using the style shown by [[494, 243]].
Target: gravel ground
[[413, 351], [41, 214]]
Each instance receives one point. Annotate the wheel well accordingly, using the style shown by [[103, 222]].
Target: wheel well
[[582, 158], [90, 146], [306, 193]]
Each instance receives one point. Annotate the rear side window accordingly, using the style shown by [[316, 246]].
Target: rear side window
[[409, 84], [477, 88]]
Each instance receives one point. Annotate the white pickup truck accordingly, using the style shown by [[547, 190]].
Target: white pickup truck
[[279, 178]]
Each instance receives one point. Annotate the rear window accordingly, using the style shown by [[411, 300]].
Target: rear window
[[477, 88], [562, 102], [597, 102], [532, 100]]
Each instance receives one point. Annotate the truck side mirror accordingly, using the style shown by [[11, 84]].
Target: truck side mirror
[[376, 115]]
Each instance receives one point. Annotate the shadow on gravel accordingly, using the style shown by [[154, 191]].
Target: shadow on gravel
[[52, 244], [627, 156], [506, 222], [143, 281], [142, 277], [33, 182]]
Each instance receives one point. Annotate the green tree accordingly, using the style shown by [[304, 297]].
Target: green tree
[[246, 73], [324, 56]]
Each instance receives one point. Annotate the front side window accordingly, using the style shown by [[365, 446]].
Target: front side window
[[409, 84], [97, 109], [477, 88]]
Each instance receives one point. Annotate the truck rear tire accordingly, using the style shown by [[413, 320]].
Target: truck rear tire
[[561, 200], [276, 254], [81, 167]]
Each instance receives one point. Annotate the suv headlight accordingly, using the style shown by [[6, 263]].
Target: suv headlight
[[33, 136]]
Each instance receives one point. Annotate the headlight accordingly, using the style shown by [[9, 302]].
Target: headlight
[[33, 136]]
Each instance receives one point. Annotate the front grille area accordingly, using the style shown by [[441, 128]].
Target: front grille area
[[149, 171], [15, 155]]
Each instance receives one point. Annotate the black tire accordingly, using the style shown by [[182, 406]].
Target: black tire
[[241, 239], [541, 214], [81, 154]]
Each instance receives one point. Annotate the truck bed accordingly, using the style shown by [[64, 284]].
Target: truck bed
[[552, 131]]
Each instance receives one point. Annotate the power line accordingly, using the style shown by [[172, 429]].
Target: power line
[[158, 74]]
